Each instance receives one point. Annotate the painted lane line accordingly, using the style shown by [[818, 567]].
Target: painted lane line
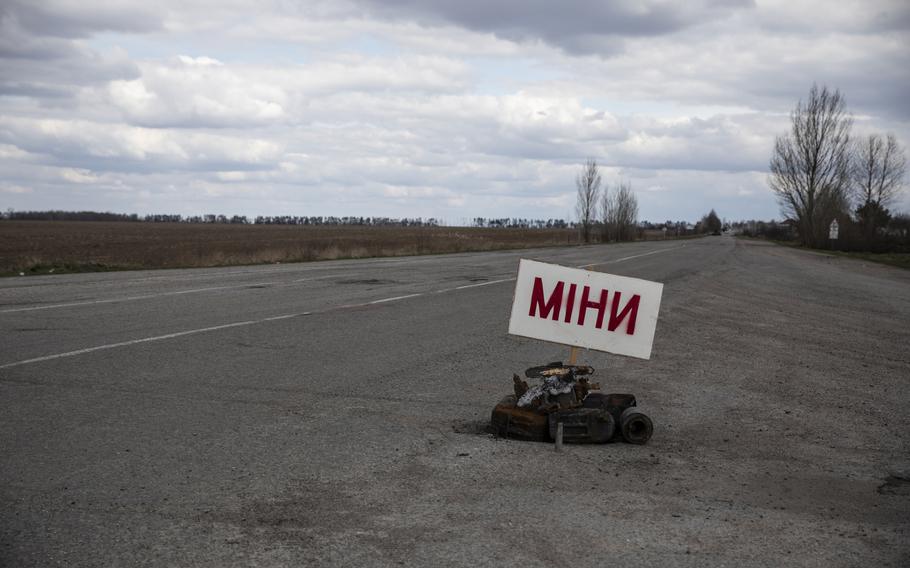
[[192, 332], [75, 304], [116, 300], [161, 295], [625, 258], [659, 251], [276, 318], [288, 316], [465, 287], [394, 299], [127, 343], [197, 331]]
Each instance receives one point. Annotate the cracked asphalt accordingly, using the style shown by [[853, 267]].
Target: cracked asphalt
[[334, 414]]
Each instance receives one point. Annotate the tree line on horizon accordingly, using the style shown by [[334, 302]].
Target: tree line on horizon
[[673, 227], [492, 223], [58, 215]]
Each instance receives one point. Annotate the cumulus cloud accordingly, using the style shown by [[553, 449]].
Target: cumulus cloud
[[196, 92], [732, 143], [118, 147], [202, 91]]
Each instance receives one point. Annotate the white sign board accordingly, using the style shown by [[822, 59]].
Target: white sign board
[[585, 309], [833, 230]]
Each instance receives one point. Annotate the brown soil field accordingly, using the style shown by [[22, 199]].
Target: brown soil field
[[40, 247]]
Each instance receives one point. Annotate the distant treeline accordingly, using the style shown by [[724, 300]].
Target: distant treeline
[[511, 223], [670, 228], [68, 216], [520, 223], [677, 228], [216, 219]]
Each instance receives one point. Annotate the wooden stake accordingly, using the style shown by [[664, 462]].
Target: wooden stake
[[573, 356], [559, 437]]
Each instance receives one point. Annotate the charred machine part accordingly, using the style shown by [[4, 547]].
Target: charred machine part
[[565, 396]]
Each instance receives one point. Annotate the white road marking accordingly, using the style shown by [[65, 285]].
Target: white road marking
[[394, 299], [483, 284], [287, 316], [73, 304], [126, 343], [279, 317], [615, 260], [161, 295]]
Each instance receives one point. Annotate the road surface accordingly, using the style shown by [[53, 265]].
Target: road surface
[[333, 414]]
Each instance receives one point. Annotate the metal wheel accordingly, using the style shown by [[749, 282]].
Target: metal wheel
[[635, 426]]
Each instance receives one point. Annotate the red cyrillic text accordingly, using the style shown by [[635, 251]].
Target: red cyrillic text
[[544, 306]]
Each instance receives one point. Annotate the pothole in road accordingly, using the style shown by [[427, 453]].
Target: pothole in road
[[895, 485], [474, 427]]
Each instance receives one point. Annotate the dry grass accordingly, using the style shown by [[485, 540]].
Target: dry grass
[[899, 259], [39, 247]]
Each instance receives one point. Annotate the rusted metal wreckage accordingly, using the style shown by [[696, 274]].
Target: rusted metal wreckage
[[565, 396]]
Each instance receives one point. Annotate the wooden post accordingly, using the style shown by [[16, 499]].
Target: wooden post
[[559, 430], [573, 356]]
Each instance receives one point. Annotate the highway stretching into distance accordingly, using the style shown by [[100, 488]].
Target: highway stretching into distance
[[333, 413], [205, 301]]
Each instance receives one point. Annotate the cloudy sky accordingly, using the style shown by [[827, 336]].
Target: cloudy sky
[[425, 108]]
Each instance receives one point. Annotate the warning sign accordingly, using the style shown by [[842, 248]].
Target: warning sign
[[587, 309]]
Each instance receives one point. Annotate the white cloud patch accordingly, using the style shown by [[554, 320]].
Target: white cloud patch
[[196, 92], [99, 146], [78, 176]]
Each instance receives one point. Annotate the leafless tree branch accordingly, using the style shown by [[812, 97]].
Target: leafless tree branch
[[588, 186]]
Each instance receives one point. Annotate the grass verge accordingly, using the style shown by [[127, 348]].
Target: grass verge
[[899, 259]]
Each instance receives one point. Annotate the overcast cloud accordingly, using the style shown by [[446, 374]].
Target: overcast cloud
[[425, 108]]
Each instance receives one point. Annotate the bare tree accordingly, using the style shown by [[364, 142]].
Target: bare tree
[[878, 176], [620, 213], [810, 168], [626, 212], [588, 185], [608, 215]]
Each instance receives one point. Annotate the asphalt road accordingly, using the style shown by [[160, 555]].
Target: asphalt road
[[333, 414]]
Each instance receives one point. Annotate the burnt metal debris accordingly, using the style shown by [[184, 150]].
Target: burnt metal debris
[[566, 396]]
